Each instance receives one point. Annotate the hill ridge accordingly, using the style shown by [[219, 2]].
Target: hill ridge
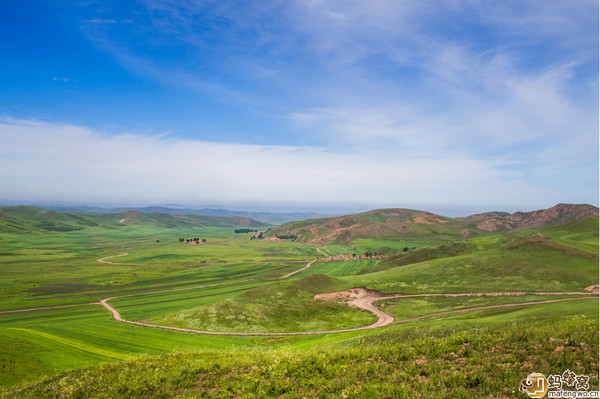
[[393, 222]]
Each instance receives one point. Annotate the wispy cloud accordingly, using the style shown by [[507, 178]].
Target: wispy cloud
[[462, 100], [330, 52], [57, 79], [99, 21]]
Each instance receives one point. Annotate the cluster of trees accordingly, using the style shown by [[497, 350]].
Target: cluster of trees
[[244, 231], [287, 237], [188, 240], [369, 253]]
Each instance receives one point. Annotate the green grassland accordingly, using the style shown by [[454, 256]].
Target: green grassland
[[232, 283]]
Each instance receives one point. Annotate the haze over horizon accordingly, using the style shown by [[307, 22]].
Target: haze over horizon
[[453, 108]]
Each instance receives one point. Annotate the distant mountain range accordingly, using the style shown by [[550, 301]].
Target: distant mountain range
[[390, 224], [272, 218], [32, 220], [395, 223]]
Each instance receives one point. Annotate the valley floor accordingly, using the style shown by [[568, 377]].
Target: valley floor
[[241, 318]]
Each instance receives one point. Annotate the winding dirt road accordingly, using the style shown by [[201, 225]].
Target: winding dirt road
[[299, 270], [383, 319], [103, 260], [360, 298], [356, 297]]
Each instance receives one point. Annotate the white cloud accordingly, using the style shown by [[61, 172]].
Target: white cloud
[[45, 161]]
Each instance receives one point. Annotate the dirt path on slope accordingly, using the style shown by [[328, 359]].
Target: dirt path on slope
[[103, 260], [299, 270]]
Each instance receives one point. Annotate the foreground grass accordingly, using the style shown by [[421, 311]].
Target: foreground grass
[[462, 359]]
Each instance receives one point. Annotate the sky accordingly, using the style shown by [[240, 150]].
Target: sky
[[329, 105]]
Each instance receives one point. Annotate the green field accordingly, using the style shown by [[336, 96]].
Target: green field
[[51, 322]]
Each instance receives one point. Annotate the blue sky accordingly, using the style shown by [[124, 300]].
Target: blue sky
[[453, 106]]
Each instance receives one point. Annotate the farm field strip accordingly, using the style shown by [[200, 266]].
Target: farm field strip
[[150, 293]]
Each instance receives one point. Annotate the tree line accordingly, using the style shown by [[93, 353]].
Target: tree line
[[188, 240]]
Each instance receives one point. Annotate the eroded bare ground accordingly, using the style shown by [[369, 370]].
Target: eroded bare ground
[[594, 289]]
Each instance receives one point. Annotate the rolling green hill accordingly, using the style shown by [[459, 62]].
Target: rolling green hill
[[27, 219]]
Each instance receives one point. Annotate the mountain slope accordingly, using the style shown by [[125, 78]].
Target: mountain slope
[[558, 214], [402, 223], [380, 223]]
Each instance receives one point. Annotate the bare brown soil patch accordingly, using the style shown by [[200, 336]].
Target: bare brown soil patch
[[427, 218], [352, 293], [494, 224], [594, 289]]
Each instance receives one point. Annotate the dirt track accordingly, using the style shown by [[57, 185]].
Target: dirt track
[[356, 297], [103, 260], [363, 299]]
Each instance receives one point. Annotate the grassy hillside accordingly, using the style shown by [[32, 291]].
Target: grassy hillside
[[31, 220], [527, 266], [568, 241], [27, 219], [276, 307]]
